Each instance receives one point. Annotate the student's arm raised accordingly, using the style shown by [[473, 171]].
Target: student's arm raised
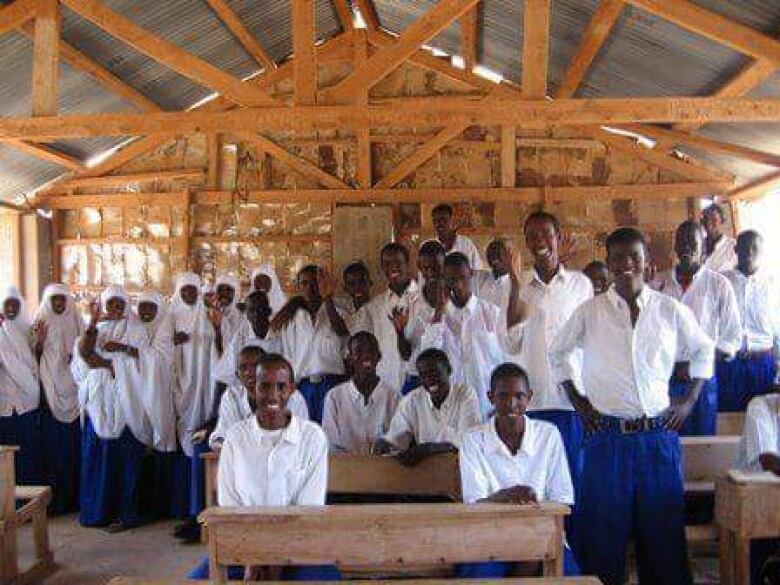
[[327, 285], [517, 308]]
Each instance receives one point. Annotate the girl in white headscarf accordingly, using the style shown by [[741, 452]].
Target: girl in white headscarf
[[19, 386], [59, 324], [224, 314], [264, 279], [116, 426]]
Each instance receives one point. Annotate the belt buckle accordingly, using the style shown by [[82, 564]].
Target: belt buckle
[[635, 425]]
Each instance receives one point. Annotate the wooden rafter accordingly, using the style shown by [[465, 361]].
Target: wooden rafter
[[427, 26], [469, 37], [45, 66], [126, 153], [19, 12], [304, 54], [715, 27], [592, 40], [344, 14], [213, 156], [755, 189], [44, 152], [189, 175], [169, 54], [536, 48], [364, 170], [246, 38]]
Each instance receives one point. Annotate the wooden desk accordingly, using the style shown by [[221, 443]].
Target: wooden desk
[[743, 512], [385, 535], [510, 581], [707, 458]]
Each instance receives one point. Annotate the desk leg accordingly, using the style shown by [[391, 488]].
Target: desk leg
[[741, 560], [726, 557]]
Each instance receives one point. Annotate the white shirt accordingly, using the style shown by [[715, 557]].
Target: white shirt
[[487, 465], [353, 425], [491, 289], [550, 307], [762, 431], [723, 256], [626, 369], [391, 368], [225, 369], [465, 246], [417, 417], [758, 299], [234, 407], [711, 298], [271, 468], [312, 346]]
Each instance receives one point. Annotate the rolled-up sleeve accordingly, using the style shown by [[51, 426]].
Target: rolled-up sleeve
[[697, 345]]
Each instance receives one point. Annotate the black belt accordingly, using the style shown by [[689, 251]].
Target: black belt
[[626, 426]]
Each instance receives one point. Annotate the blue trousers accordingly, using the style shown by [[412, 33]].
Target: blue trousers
[[632, 487], [22, 430], [741, 379], [61, 461], [497, 570], [704, 416], [302, 573], [315, 392], [410, 383]]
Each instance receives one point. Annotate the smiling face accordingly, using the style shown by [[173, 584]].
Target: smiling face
[[434, 376], [510, 396], [358, 285], [273, 389], [189, 294], [225, 295], [246, 370], [115, 308], [364, 356], [11, 308], [395, 267], [626, 262], [542, 239], [147, 311], [58, 304], [689, 244]]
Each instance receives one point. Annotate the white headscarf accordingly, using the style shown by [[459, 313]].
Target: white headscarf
[[62, 331], [18, 367], [231, 316], [232, 282], [276, 296]]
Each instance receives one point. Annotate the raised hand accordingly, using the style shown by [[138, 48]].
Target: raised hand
[[215, 317], [326, 283], [399, 318], [96, 311], [286, 313], [513, 260], [568, 247]]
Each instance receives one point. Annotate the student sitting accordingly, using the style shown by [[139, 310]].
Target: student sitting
[[598, 274], [514, 459], [432, 418], [273, 459], [358, 412]]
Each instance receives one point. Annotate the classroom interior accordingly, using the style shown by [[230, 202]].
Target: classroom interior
[[141, 139]]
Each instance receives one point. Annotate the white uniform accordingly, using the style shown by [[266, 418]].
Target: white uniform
[[723, 257], [465, 246], [312, 346], [762, 431], [19, 386], [758, 300], [224, 370], [489, 288]]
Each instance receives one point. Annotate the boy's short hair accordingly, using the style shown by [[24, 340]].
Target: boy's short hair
[[625, 235], [508, 370], [689, 224], [456, 260], [277, 359], [392, 248], [746, 236], [309, 269], [715, 208], [445, 207], [436, 355], [543, 216], [251, 350], [431, 248], [364, 335], [355, 267], [595, 265]]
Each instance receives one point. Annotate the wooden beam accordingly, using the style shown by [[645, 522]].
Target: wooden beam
[[368, 12], [703, 143], [424, 28], [363, 135], [19, 12], [213, 148], [127, 153], [304, 54], [536, 48], [293, 161], [190, 175], [110, 200], [246, 38], [169, 54], [45, 152], [45, 66], [508, 156], [469, 37], [344, 13], [5, 205], [592, 40], [715, 27], [756, 189]]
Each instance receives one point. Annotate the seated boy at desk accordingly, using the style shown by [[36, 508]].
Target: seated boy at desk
[[358, 412], [273, 459], [514, 459], [433, 417]]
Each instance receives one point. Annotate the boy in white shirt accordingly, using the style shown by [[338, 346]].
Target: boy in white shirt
[[357, 284], [358, 412], [598, 275], [719, 254], [273, 459], [493, 285], [449, 237], [432, 418], [513, 459]]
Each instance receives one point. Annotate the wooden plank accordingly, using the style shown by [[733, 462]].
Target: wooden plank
[[344, 13], [715, 27], [126, 153], [45, 152], [169, 54], [110, 200], [508, 156], [246, 38], [469, 37], [444, 13], [19, 12], [191, 175], [304, 54], [592, 40], [213, 147], [363, 135], [756, 189], [45, 66], [731, 423], [707, 458], [536, 48]]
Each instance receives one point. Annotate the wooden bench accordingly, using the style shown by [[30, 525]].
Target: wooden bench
[[385, 535], [510, 581], [34, 500]]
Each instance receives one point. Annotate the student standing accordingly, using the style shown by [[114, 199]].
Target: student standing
[[631, 484], [598, 275], [19, 387], [755, 368], [264, 279], [493, 285], [450, 239], [358, 412], [711, 298], [719, 253], [224, 315], [59, 325], [357, 285]]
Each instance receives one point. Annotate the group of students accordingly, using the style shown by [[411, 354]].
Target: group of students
[[551, 384]]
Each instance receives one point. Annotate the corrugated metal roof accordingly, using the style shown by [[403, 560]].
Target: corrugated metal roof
[[20, 173]]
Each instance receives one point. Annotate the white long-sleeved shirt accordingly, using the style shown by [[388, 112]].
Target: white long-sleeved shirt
[[762, 431], [711, 298], [626, 369], [723, 257], [758, 299], [550, 306], [234, 407], [224, 370], [488, 466], [391, 368], [351, 424], [489, 288], [311, 345], [417, 417], [258, 467], [468, 248]]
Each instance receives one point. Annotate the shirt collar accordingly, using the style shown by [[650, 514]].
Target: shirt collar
[[469, 307], [527, 444], [291, 433], [357, 396], [411, 288], [617, 301]]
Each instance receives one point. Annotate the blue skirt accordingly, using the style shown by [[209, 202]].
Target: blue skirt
[[61, 461], [23, 431]]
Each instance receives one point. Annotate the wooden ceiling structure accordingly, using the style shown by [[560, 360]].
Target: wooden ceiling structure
[[247, 109]]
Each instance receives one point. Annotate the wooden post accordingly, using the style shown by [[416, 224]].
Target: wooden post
[[536, 48], [213, 151], [363, 134], [9, 567], [508, 156], [45, 71], [304, 53]]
